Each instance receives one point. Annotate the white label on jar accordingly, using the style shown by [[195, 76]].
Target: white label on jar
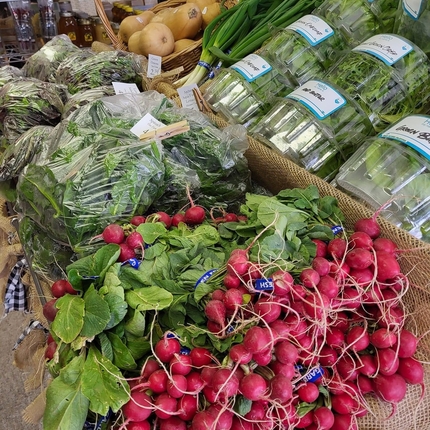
[[413, 7], [312, 28], [123, 88], [386, 47], [252, 67], [414, 131], [321, 99], [147, 123]]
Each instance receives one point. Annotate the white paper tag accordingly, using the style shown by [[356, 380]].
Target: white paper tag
[[414, 131], [386, 47], [321, 99], [252, 67], [312, 28], [413, 8], [154, 66], [122, 88], [147, 123], [187, 96]]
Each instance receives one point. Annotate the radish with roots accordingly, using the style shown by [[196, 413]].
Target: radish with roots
[[253, 386], [113, 233]]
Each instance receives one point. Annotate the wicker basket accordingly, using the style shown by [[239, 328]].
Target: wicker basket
[[187, 58]]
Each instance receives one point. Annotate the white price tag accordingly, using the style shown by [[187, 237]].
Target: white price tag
[[413, 7], [147, 123], [386, 47], [154, 66], [187, 97], [122, 88], [321, 99]]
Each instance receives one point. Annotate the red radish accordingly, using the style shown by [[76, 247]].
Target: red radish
[[178, 218], [50, 350], [344, 404], [335, 338], [217, 295], [364, 384], [280, 330], [139, 407], [344, 422], [390, 297], [321, 248], [369, 226], [387, 361], [139, 425], [232, 299], [135, 240], [357, 338], [231, 280], [181, 364], [328, 356], [368, 366], [49, 339], [360, 239], [195, 382], [172, 423], [210, 395], [177, 386], [298, 292], [286, 352], [411, 370], [383, 338], [165, 405], [166, 348], [383, 244], [321, 265], [62, 287], [195, 215], [126, 253], [256, 339], [308, 392], [157, 381], [340, 322], [239, 354], [408, 343], [208, 372], [282, 283], [268, 309], [216, 312], [316, 305], [305, 421], [238, 264], [113, 233], [362, 277], [187, 407], [239, 423], [394, 316], [323, 418], [280, 388], [137, 220], [258, 411], [225, 383], [351, 298], [223, 416], [328, 286], [347, 368], [386, 266], [263, 358], [253, 386], [214, 327], [231, 217], [337, 248], [309, 278], [150, 366], [339, 271], [391, 389], [359, 258], [200, 357], [49, 310], [287, 370]]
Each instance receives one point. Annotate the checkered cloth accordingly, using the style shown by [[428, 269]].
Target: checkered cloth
[[15, 297], [34, 324]]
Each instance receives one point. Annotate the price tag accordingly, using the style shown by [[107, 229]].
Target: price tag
[[122, 88], [147, 123], [252, 67], [387, 47], [312, 28], [413, 8], [154, 66], [187, 96]]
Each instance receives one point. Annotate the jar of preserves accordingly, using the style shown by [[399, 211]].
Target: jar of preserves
[[128, 11], [85, 33], [68, 25], [100, 31]]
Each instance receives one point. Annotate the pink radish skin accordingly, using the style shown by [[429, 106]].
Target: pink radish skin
[[359, 258], [177, 386], [258, 412], [309, 278], [337, 248], [166, 348], [391, 389], [215, 311], [231, 280], [286, 352], [408, 344], [298, 327], [339, 271], [392, 317], [316, 305], [195, 215], [369, 226], [328, 356], [383, 244], [139, 425], [253, 386], [368, 365], [280, 389], [288, 370], [305, 421], [194, 382], [135, 240], [321, 265], [225, 383], [359, 239], [231, 217], [223, 416], [263, 358], [323, 418], [203, 421], [335, 338], [200, 357], [241, 424], [328, 286], [173, 423], [341, 322], [217, 295], [344, 404], [181, 364], [137, 220], [239, 354], [383, 338], [298, 292], [362, 277], [178, 218], [308, 392], [321, 248], [357, 339], [344, 422], [388, 361], [256, 339], [158, 381], [364, 384], [267, 309], [280, 330], [282, 283], [126, 253], [232, 299], [113, 233], [411, 370], [347, 368], [387, 267], [150, 366], [139, 407], [187, 407]]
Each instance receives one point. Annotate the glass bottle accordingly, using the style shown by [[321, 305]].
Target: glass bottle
[[100, 31], [85, 33], [69, 26]]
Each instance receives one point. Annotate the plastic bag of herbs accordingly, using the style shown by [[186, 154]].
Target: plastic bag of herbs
[[87, 69], [9, 73], [43, 64], [27, 102]]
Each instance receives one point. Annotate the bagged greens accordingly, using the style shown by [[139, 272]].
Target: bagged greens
[[43, 64], [9, 73]]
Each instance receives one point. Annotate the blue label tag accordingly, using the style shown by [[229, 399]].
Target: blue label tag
[[97, 425], [264, 284], [230, 329], [336, 229], [205, 277], [90, 277], [133, 262], [172, 336], [314, 374], [185, 351]]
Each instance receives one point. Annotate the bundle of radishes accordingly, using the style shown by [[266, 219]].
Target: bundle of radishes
[[314, 346]]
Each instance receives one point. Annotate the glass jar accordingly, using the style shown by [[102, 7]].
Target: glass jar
[[85, 33], [65, 6], [100, 31], [68, 25], [128, 11]]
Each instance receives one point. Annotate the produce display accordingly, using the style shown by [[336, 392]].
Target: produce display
[[393, 171], [317, 126]]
